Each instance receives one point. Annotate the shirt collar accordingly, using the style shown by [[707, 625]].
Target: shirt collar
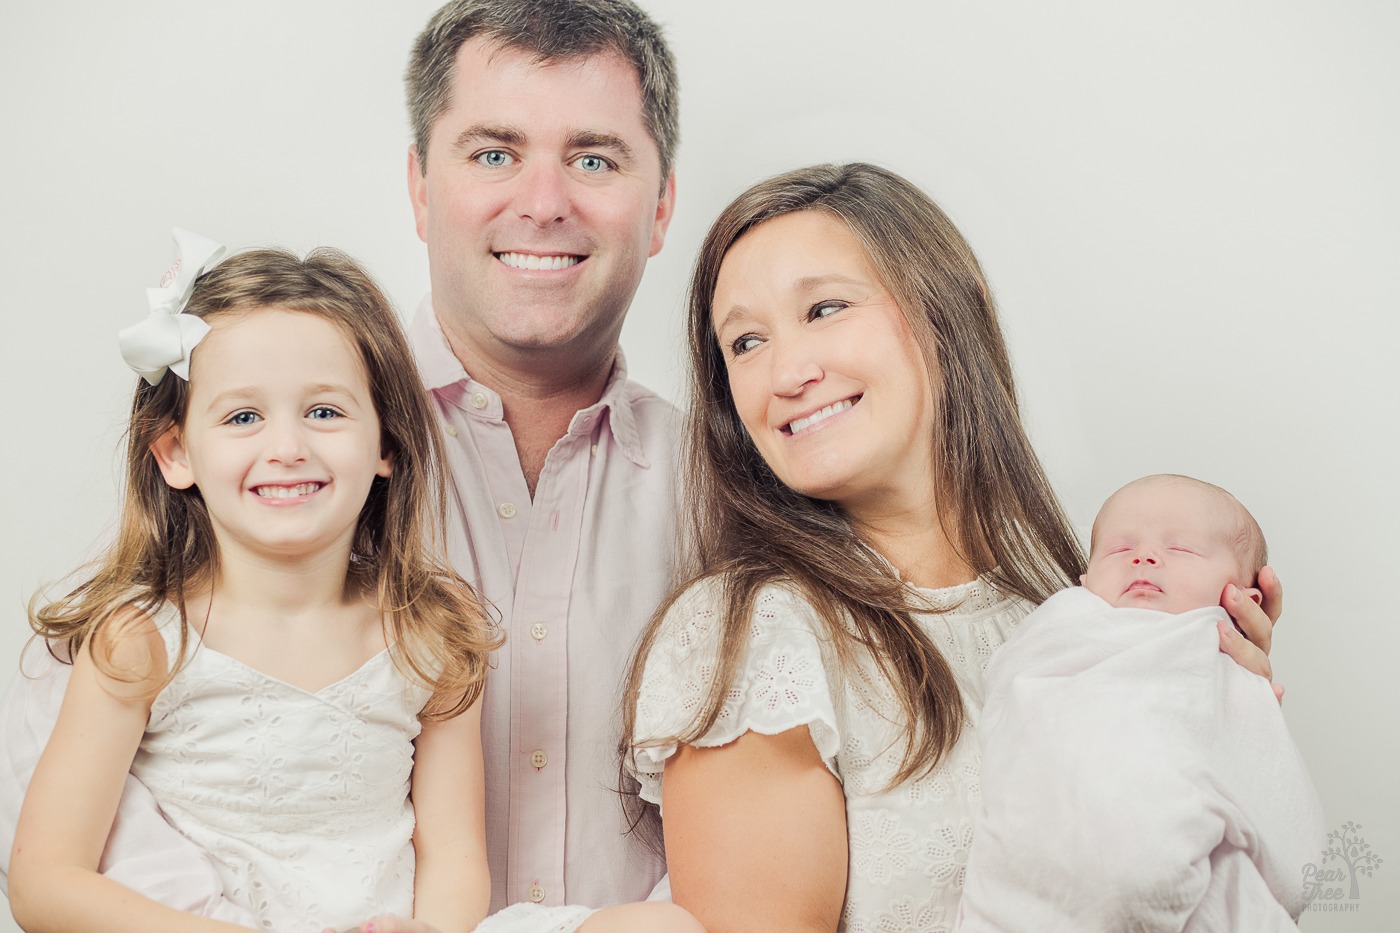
[[442, 372]]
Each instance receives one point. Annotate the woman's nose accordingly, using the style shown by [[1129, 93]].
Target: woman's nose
[[794, 365]]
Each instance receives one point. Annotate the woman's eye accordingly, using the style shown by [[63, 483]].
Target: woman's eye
[[495, 158], [323, 413], [744, 344], [825, 309], [243, 418], [592, 164]]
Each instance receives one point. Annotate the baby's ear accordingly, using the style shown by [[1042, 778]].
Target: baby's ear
[[173, 459], [1254, 593]]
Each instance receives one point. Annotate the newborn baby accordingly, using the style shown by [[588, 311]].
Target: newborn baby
[[1134, 777]]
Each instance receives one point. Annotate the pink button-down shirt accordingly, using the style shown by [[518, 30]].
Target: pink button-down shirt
[[574, 574]]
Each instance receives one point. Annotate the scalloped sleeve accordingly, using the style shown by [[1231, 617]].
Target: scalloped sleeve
[[787, 679]]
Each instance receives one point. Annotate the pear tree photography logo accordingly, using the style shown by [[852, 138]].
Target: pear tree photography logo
[[1333, 882]]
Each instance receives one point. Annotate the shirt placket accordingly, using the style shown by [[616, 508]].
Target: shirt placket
[[539, 674]]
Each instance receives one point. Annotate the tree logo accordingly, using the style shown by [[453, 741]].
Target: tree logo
[[1333, 882]]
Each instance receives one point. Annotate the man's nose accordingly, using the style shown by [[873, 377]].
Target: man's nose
[[542, 193]]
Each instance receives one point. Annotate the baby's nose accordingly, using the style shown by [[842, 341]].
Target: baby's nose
[[1145, 559]]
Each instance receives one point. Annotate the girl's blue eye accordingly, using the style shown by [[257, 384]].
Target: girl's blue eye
[[243, 418], [495, 158], [825, 309], [323, 413]]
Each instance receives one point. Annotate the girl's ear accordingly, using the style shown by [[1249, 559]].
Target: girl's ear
[[386, 464], [173, 460]]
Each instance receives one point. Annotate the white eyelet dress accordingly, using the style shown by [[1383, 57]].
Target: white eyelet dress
[[909, 843]]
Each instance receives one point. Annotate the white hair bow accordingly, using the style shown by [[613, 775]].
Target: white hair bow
[[165, 339]]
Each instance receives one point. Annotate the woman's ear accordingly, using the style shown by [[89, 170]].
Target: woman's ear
[[173, 459]]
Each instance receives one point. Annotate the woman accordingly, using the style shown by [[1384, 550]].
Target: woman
[[870, 524]]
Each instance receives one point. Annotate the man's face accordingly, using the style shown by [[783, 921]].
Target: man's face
[[541, 203]]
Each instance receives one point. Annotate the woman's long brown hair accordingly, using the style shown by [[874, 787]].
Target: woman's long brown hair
[[748, 530], [165, 543]]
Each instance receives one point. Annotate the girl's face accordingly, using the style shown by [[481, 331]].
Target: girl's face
[[281, 436], [826, 375]]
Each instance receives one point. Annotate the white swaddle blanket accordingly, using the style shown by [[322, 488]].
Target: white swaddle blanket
[[1134, 778]]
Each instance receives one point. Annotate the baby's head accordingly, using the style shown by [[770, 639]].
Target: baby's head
[[1172, 543]]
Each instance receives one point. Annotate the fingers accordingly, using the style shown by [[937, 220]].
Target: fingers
[[1244, 652], [1272, 588], [1251, 619]]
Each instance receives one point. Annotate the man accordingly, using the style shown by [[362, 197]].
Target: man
[[541, 182], [540, 175]]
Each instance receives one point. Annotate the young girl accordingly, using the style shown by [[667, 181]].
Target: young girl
[[270, 645]]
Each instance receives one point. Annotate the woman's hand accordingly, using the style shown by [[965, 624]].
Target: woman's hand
[[1256, 621]]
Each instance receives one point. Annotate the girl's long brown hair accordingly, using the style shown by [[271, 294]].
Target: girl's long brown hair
[[165, 543], [749, 530]]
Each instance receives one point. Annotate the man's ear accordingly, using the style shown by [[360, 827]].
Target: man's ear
[[173, 459], [418, 193], [665, 210]]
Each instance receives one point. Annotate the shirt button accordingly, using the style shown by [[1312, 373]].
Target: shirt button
[[538, 631], [538, 758], [507, 510], [593, 450], [478, 399], [536, 893], [451, 431]]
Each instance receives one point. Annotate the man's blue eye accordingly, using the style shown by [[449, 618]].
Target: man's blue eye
[[592, 163], [495, 158]]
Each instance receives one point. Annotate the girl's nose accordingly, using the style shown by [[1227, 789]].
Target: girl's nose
[[286, 443]]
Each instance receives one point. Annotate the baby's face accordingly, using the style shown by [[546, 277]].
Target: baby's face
[[1164, 545]]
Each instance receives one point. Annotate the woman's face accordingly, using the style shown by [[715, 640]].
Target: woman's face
[[826, 375]]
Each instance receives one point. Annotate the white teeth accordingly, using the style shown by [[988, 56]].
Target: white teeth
[[799, 424], [532, 261], [287, 492]]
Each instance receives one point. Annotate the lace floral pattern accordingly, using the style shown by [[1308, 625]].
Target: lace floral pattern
[[909, 842], [300, 799]]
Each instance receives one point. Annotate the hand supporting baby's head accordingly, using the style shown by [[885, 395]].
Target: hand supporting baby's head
[[1172, 543]]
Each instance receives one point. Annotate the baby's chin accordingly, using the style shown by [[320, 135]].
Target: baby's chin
[[1156, 600]]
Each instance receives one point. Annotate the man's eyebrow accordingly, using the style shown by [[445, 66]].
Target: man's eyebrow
[[590, 139], [479, 133]]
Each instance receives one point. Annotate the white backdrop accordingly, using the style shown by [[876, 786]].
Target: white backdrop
[[1188, 213]]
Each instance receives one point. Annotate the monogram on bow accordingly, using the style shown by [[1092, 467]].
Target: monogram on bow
[[165, 339]]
